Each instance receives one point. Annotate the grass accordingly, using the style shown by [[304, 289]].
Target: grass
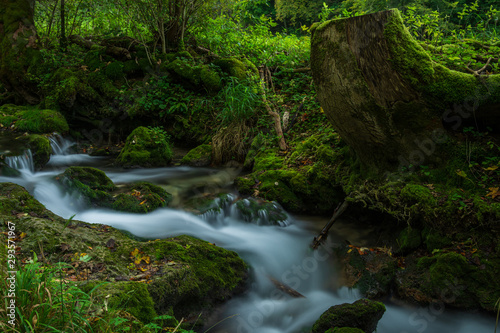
[[44, 303]]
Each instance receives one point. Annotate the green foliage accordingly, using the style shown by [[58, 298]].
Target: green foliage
[[164, 98], [240, 101], [44, 303], [256, 42]]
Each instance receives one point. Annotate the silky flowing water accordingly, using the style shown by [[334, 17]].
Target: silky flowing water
[[273, 252]]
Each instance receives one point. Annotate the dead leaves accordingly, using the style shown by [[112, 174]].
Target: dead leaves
[[493, 192], [366, 250]]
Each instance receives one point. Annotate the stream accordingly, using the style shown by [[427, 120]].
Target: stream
[[279, 252]]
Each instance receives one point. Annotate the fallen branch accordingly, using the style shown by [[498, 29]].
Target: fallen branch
[[286, 289], [275, 115], [324, 233], [478, 72]]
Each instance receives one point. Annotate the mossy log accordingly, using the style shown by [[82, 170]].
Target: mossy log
[[387, 98], [114, 51]]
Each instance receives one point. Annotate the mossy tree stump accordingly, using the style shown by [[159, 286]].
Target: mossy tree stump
[[386, 97]]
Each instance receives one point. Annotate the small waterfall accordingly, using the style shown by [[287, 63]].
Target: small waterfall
[[22, 162], [249, 210], [60, 145]]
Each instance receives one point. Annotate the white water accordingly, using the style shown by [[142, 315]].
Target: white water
[[278, 252]]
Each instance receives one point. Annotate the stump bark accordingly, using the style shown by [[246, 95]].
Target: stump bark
[[386, 97]]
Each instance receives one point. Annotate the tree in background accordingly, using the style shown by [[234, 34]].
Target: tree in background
[[167, 20], [18, 49], [301, 12]]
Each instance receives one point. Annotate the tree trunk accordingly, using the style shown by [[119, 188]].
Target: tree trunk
[[386, 97], [18, 49], [62, 40]]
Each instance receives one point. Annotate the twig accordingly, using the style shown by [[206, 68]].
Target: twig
[[478, 72], [324, 233]]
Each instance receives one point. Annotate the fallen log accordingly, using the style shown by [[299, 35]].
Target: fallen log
[[114, 51], [388, 99]]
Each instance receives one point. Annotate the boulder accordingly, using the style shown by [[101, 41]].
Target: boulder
[[363, 314], [146, 147]]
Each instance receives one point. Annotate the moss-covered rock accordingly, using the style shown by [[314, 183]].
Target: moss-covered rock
[[7, 171], [181, 275], [302, 181], [362, 314], [145, 147], [212, 273], [199, 156], [261, 212], [457, 280], [210, 79], [32, 120], [371, 271], [40, 149], [185, 72], [91, 183], [344, 330], [141, 197], [15, 199], [98, 190], [114, 70], [232, 67]]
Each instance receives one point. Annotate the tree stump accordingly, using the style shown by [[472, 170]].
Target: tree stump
[[385, 96]]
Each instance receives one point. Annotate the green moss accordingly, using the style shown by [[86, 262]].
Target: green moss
[[142, 197], [344, 330], [417, 194], [31, 120], [211, 79], [129, 296], [213, 273], [245, 185], [40, 149], [454, 279], [250, 66], [435, 240], [114, 70], [362, 314], [15, 198], [93, 59], [441, 85], [199, 156], [254, 211], [131, 67], [409, 239], [232, 67], [42, 121], [276, 187], [184, 72], [102, 84], [7, 171], [145, 147], [268, 160], [91, 183], [188, 276]]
